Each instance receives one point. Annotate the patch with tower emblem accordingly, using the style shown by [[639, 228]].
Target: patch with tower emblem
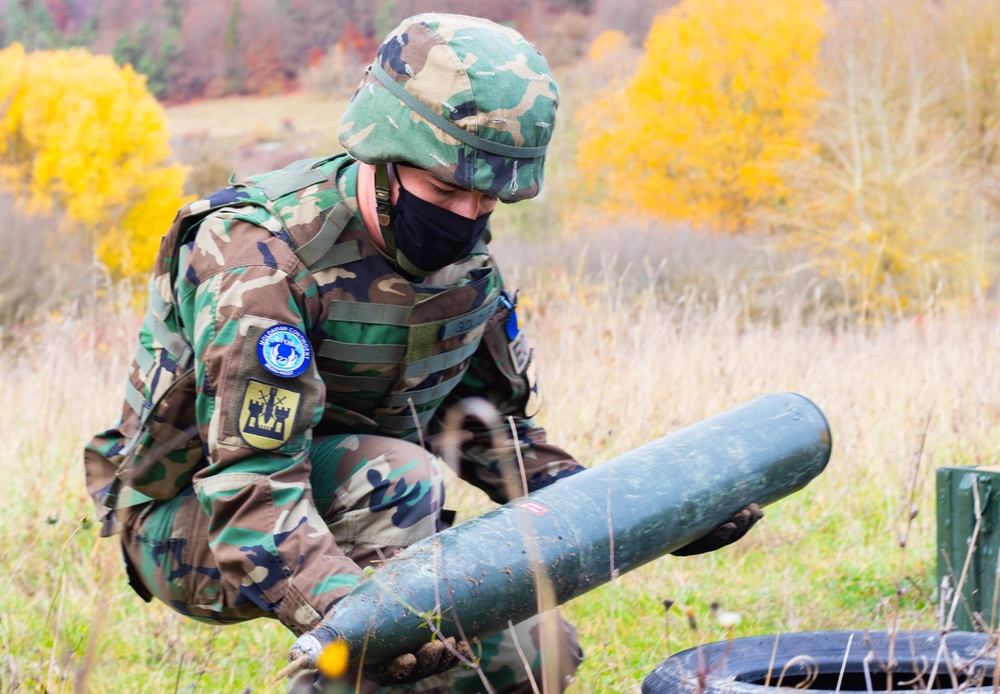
[[267, 416]]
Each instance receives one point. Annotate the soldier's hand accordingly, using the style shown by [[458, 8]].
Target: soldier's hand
[[727, 533], [430, 659]]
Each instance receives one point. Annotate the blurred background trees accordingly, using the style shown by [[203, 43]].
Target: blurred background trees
[[898, 200], [851, 143], [723, 97], [192, 49], [858, 140], [82, 136]]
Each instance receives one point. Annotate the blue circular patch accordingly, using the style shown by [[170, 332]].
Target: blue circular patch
[[284, 351]]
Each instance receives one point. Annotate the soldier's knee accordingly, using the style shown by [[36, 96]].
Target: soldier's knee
[[539, 654], [167, 556], [345, 461], [382, 492], [409, 459], [410, 487]]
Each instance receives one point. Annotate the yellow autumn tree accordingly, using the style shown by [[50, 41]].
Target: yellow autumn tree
[[721, 100], [81, 133]]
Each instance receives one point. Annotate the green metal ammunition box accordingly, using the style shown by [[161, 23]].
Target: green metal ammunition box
[[968, 539]]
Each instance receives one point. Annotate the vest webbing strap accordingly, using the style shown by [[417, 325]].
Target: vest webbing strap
[[360, 353], [341, 254], [419, 397], [144, 359], [469, 321], [371, 383], [334, 221], [373, 314], [158, 304], [294, 177], [440, 362], [448, 126], [404, 263], [135, 399], [173, 343], [353, 403], [403, 422]]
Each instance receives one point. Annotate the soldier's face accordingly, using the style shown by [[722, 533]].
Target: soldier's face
[[468, 203]]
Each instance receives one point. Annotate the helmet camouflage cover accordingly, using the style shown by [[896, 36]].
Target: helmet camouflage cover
[[469, 100]]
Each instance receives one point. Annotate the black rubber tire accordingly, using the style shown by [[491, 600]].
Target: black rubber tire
[[742, 666]]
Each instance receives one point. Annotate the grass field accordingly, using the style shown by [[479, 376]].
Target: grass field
[[302, 111], [637, 335], [620, 368], [639, 331]]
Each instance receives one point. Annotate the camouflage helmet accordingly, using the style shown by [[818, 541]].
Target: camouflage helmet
[[466, 99]]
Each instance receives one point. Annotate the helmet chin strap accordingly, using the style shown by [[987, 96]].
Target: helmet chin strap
[[383, 207]]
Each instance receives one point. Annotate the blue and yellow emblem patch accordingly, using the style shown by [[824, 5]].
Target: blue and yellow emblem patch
[[267, 417], [284, 351]]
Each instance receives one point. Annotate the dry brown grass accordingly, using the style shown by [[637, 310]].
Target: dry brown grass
[[251, 135], [238, 117], [634, 369], [637, 337], [49, 268], [620, 368]]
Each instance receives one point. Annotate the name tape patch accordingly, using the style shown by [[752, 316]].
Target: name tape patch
[[284, 351]]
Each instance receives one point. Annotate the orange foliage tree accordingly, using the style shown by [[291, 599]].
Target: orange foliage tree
[[80, 133], [723, 97]]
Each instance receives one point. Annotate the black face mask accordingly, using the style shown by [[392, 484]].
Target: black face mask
[[429, 237]]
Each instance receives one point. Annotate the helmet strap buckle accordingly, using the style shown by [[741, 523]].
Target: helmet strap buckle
[[383, 207], [383, 200]]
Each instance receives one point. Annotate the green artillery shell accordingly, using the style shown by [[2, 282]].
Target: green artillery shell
[[607, 520]]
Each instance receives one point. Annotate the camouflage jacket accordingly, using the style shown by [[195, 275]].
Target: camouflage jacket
[[207, 404]]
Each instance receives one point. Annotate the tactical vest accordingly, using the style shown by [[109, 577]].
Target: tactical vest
[[387, 366]]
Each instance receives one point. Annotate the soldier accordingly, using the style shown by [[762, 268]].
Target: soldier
[[307, 331]]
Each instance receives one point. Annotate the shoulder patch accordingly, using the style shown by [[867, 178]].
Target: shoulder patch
[[520, 353], [267, 416], [284, 351], [513, 324]]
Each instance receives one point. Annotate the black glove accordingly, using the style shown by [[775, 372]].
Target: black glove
[[430, 659], [727, 533]]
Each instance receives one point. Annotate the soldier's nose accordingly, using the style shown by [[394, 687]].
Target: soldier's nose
[[467, 205]]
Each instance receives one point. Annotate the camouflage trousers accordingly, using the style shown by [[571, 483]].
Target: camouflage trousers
[[168, 557]]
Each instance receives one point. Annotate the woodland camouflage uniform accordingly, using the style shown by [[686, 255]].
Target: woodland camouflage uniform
[[243, 490]]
